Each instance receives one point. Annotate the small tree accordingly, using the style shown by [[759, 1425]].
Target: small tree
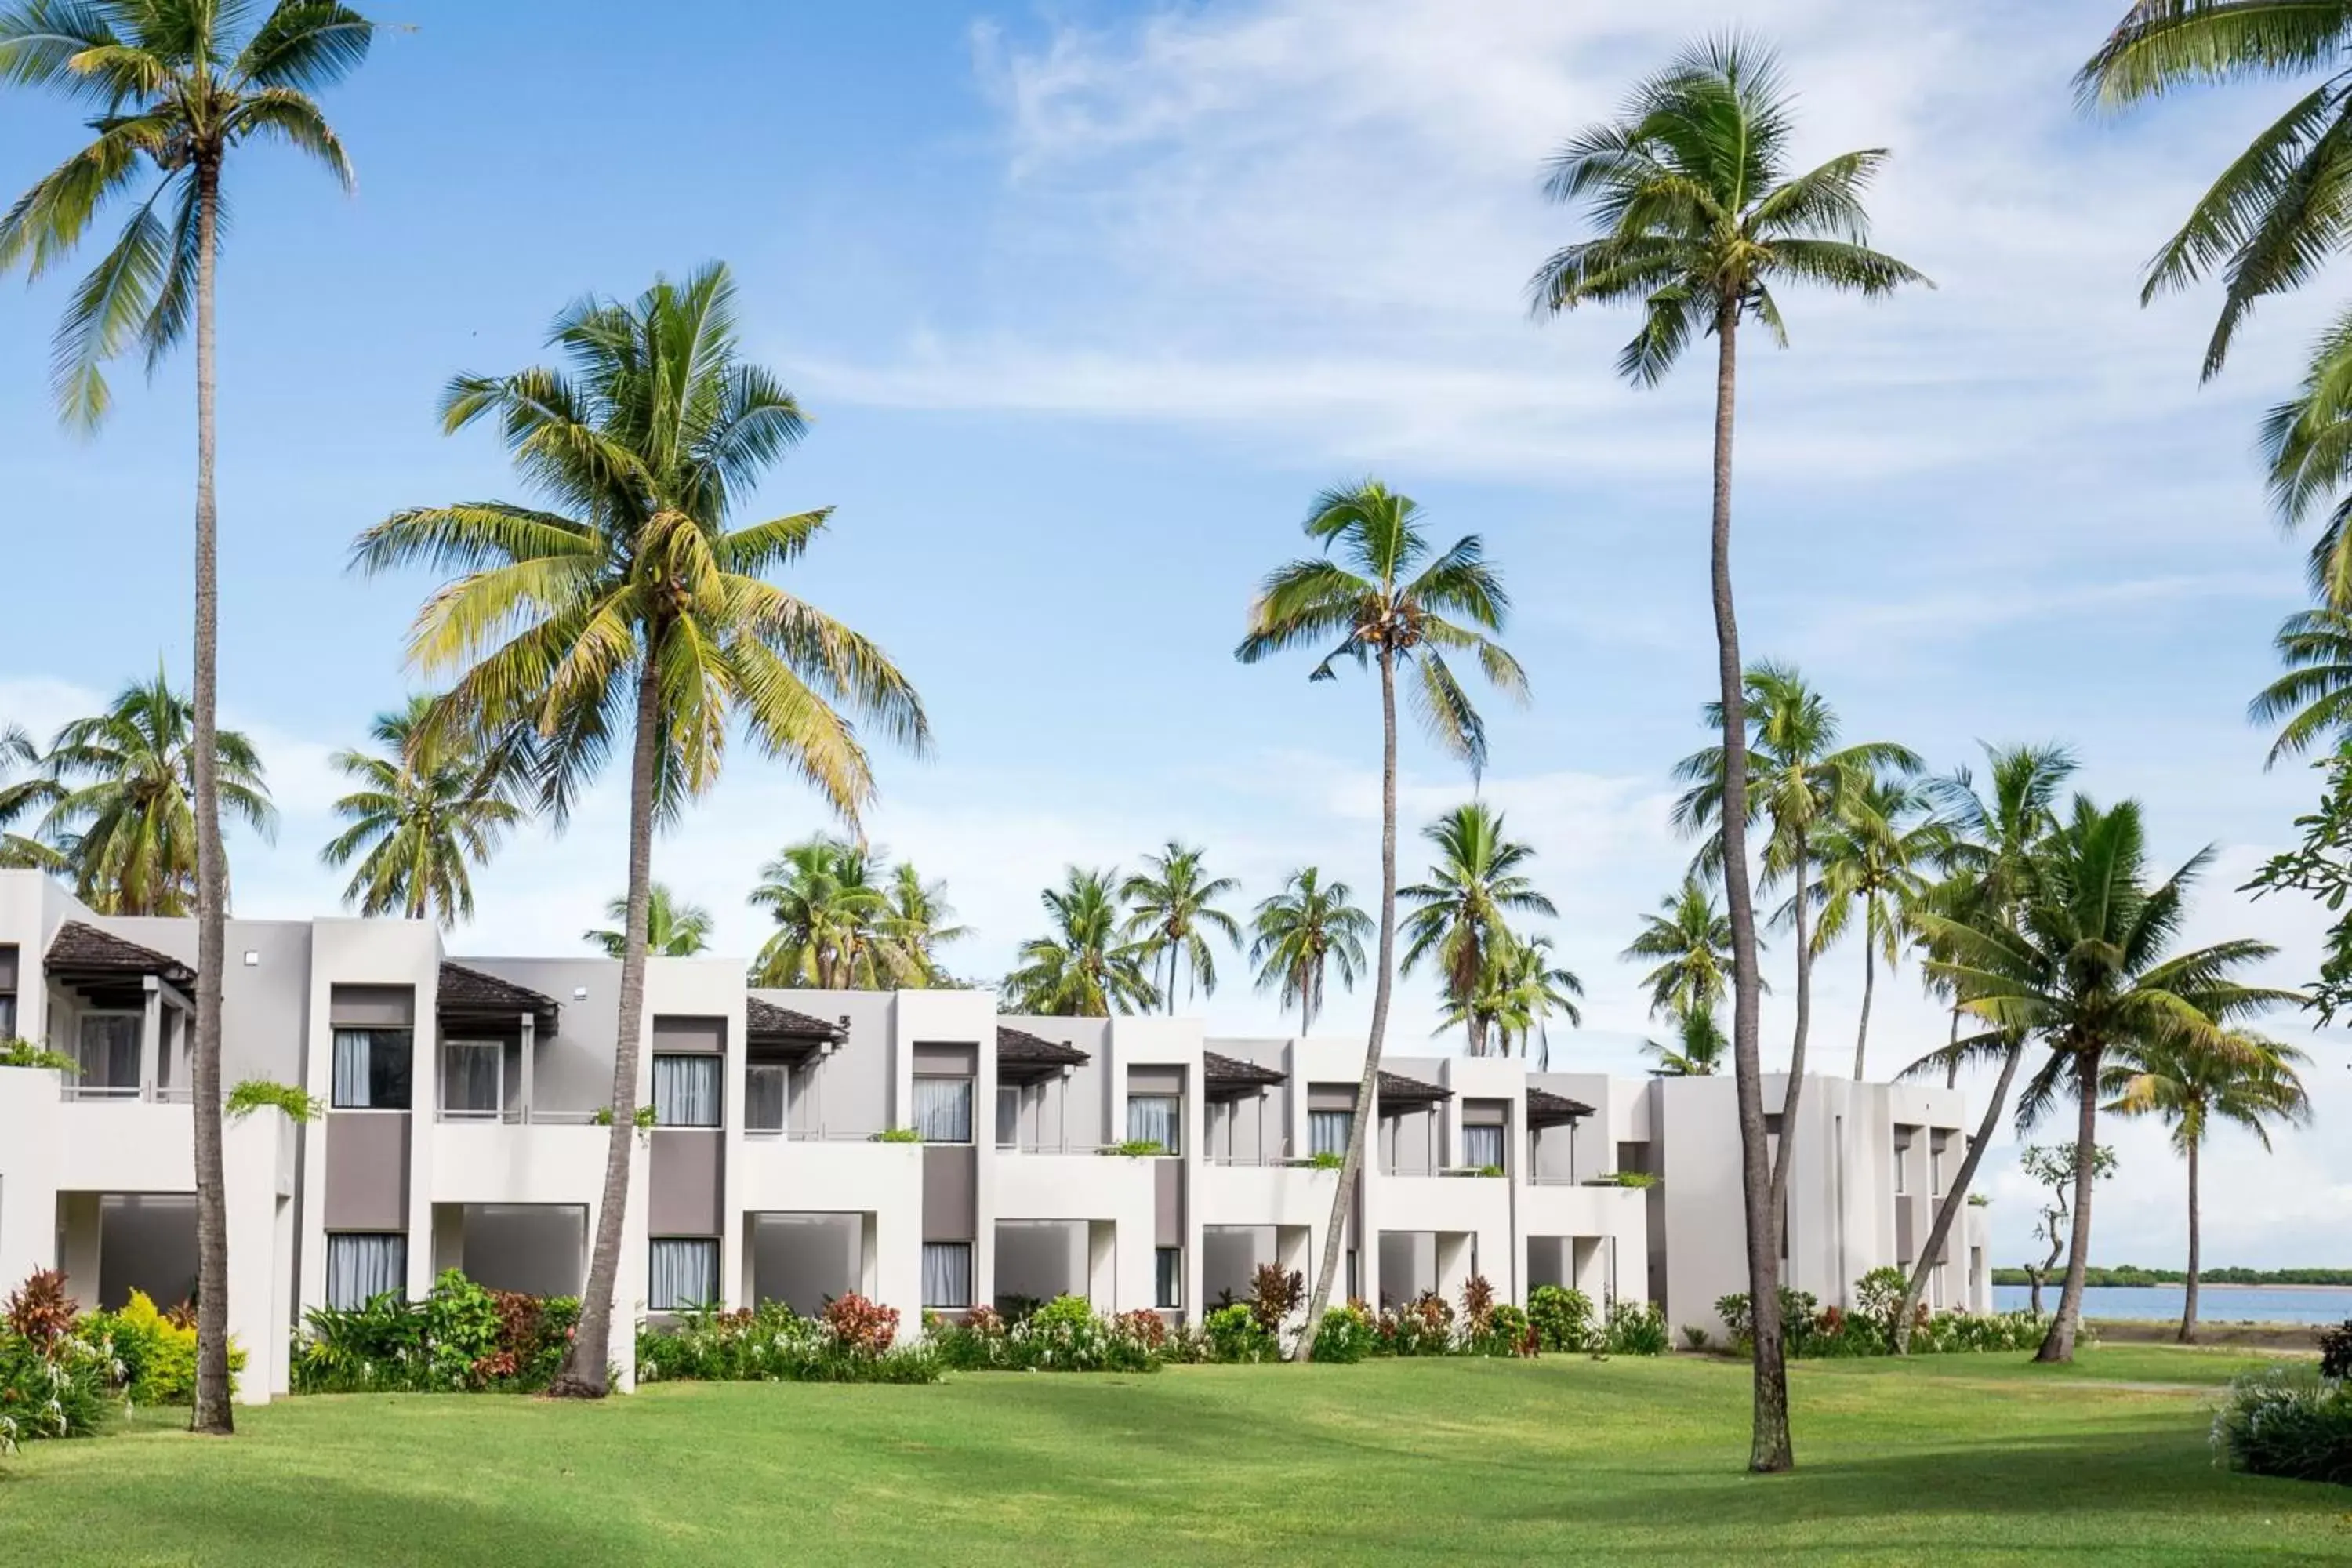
[[2051, 1166]]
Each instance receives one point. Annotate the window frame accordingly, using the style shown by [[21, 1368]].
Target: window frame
[[925, 1288], [84, 1086], [1479, 1131], [1173, 1144], [710, 1243], [376, 1038], [1319, 1119], [971, 1093], [783, 1073], [402, 1272], [717, 1068], [1167, 1284], [497, 1108]]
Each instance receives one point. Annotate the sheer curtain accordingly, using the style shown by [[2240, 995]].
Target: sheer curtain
[[685, 1090], [352, 1049], [109, 1051], [470, 1076], [947, 1274], [362, 1266], [765, 1094], [1152, 1118], [685, 1274], [943, 1109], [1326, 1131], [1482, 1147]]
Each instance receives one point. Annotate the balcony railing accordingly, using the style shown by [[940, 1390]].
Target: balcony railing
[[516, 1116], [811, 1134], [127, 1093]]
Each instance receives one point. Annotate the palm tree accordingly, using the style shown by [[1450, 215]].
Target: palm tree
[[1172, 908], [1690, 943], [423, 813], [1300, 935], [1520, 986], [1083, 968], [1460, 917], [20, 796], [121, 813], [2315, 696], [2306, 444], [1386, 599], [831, 917], [1698, 1049], [628, 610], [1875, 856], [1700, 217], [2085, 970], [2189, 1084], [673, 929], [176, 88], [919, 922], [2270, 222], [1803, 780]]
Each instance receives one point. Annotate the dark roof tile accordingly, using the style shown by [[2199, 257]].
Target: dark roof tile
[[80, 948]]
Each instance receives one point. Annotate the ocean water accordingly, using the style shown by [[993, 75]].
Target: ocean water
[[2215, 1303]]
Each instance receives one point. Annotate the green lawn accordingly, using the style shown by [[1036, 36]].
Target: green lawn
[[1979, 1457]]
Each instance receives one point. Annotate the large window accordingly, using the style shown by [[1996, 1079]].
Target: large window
[[1167, 1277], [686, 1089], [1155, 1119], [684, 1273], [372, 1069], [767, 1094], [107, 1050], [1326, 1131], [943, 1109], [1482, 1148], [947, 1274], [364, 1265], [473, 1078], [1008, 1117]]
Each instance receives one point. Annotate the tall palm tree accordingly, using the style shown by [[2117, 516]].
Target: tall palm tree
[[1520, 985], [2087, 970], [1303, 933], [122, 814], [1803, 781], [831, 917], [1700, 217], [1689, 943], [1461, 916], [629, 610], [2312, 702], [921, 922], [1378, 595], [674, 929], [1083, 968], [20, 796], [1172, 906], [2306, 444], [1698, 1049], [2272, 220], [177, 85], [1875, 855], [423, 813], [2190, 1084]]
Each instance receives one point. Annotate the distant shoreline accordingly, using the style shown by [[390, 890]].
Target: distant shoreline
[[2132, 1278]]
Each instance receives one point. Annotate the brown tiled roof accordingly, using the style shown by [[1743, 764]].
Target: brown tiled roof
[[765, 1020], [1409, 1093], [84, 949], [1219, 1071], [471, 993], [1021, 1048], [1546, 1108]]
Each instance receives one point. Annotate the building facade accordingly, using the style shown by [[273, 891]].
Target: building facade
[[913, 1146]]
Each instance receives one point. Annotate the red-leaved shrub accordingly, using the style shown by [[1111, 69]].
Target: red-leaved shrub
[[861, 1326], [40, 1311]]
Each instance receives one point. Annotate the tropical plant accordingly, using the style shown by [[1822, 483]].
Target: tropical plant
[[1302, 934], [831, 915], [1520, 987], [921, 922], [1700, 218], [425, 813], [123, 814], [1083, 968], [1460, 918], [2306, 444], [178, 84], [629, 610], [2190, 1083], [20, 796], [2321, 865], [2087, 971], [1698, 1049], [2289, 1421], [1689, 943], [1875, 856], [1378, 595], [1172, 906], [2051, 1167], [674, 929]]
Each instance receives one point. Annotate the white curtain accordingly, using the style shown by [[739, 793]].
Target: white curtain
[[353, 1047], [109, 1051], [1482, 1147], [764, 1095], [1169, 1276], [470, 1076], [685, 1090], [943, 1109], [685, 1274], [1326, 1131], [947, 1274], [1008, 1117], [1152, 1118], [362, 1266]]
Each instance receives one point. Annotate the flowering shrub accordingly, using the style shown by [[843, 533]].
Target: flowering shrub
[[1561, 1318], [1422, 1327], [861, 1327], [155, 1352], [39, 1311], [462, 1338], [57, 1389], [1348, 1334], [1869, 1329], [771, 1343], [1063, 1335], [1477, 1304], [2295, 1422]]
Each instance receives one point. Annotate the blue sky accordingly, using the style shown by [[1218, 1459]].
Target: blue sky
[[1088, 301]]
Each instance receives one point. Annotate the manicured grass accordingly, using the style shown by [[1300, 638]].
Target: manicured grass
[[1985, 1458]]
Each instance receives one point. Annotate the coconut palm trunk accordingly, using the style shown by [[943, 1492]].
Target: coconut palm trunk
[[1368, 1087], [2189, 1306], [2058, 1345], [212, 1411], [584, 1375], [1948, 1211], [1869, 984]]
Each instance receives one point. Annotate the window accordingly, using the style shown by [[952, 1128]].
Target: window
[[947, 1274], [1008, 1117], [1155, 1119], [1326, 1131], [943, 1109], [361, 1265], [1167, 1277], [1936, 1164], [684, 1272], [8, 1015], [767, 1091], [1355, 1290], [109, 1051], [686, 1089], [372, 1069], [473, 1078], [1482, 1148]]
